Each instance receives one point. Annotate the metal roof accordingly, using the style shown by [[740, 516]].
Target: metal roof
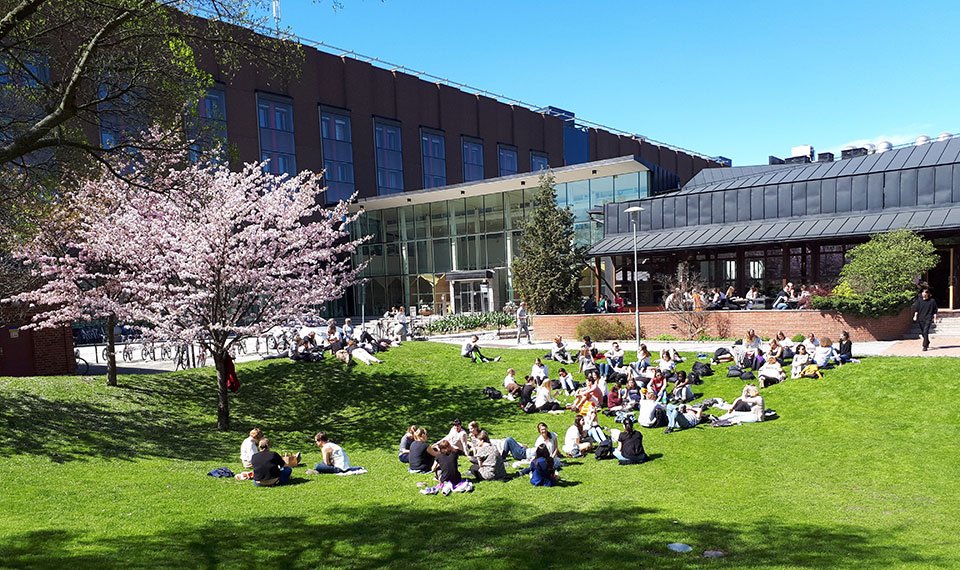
[[778, 230], [715, 175]]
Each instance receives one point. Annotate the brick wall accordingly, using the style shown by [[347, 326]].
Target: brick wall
[[735, 324], [34, 352], [53, 352]]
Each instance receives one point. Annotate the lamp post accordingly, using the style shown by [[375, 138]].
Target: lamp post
[[636, 287]]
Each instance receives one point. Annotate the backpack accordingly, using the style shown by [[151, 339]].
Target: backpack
[[694, 378], [811, 371], [604, 450], [492, 393], [702, 369], [734, 372], [747, 375]]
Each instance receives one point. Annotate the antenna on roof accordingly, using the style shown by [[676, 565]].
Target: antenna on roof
[[276, 14]]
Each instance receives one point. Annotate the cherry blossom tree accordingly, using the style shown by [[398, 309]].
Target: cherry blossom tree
[[205, 255]]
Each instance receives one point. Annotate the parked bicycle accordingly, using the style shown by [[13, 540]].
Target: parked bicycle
[[82, 366]]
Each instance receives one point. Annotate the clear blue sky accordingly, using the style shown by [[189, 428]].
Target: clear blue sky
[[739, 79]]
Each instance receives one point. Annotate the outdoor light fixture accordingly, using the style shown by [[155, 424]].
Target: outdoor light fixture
[[634, 219]]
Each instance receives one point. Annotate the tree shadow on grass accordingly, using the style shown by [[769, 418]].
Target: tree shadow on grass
[[173, 415], [456, 532]]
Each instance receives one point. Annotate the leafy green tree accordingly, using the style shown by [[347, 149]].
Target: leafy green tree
[[881, 275], [547, 272]]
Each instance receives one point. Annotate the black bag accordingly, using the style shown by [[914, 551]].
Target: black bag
[[694, 378], [734, 372], [787, 353], [604, 450], [747, 375], [702, 369], [554, 384], [492, 393]]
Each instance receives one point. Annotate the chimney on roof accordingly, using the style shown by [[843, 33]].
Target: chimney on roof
[[825, 157], [797, 160], [774, 160], [853, 152]]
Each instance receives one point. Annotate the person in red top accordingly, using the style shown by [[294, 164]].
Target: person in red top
[[657, 385], [588, 396], [614, 398]]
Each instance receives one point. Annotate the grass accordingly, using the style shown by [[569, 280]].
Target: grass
[[860, 471]]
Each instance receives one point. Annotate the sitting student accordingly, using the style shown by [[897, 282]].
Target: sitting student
[[549, 439], [630, 445], [486, 459], [527, 392], [845, 351], [682, 417], [800, 359], [650, 411], [545, 402], [249, 448], [811, 343], [781, 300], [348, 328], [615, 397], [541, 470], [585, 360], [587, 397], [405, 442], [539, 370], [775, 350], [269, 468], [632, 395], [747, 408], [447, 471], [591, 424], [615, 356], [421, 461], [683, 389], [824, 354], [334, 458], [770, 373], [787, 344], [559, 352], [576, 442], [567, 383], [752, 295], [643, 360], [658, 387], [471, 349], [666, 365], [457, 437], [510, 384]]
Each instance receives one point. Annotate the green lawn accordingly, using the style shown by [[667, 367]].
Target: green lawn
[[859, 471]]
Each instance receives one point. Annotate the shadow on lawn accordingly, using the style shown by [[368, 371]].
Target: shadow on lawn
[[173, 415], [495, 536]]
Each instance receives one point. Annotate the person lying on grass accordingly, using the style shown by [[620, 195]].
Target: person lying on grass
[[487, 463], [748, 408], [682, 417], [335, 459], [269, 469]]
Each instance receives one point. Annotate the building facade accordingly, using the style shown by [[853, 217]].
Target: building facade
[[765, 225]]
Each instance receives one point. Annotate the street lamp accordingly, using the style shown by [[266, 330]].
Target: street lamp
[[634, 219]]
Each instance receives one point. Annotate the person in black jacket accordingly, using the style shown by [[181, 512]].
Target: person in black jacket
[[924, 310], [269, 469]]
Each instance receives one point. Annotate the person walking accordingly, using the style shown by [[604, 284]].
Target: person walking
[[924, 310], [523, 322]]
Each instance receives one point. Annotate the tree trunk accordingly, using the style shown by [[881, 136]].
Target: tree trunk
[[111, 351], [223, 400]]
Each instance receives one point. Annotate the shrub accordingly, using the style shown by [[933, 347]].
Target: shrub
[[869, 305], [666, 337], [477, 321], [798, 337], [599, 328]]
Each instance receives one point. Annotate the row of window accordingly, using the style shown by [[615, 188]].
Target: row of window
[[276, 126]]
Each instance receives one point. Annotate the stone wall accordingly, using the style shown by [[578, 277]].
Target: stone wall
[[735, 324]]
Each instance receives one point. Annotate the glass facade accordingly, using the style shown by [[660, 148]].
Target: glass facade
[[472, 159], [336, 136], [413, 247], [389, 157], [538, 162], [434, 158], [275, 119]]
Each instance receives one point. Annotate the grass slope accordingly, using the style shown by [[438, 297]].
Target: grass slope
[[860, 471]]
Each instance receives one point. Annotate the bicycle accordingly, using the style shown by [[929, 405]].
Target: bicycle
[[166, 352], [147, 352], [126, 354], [181, 360], [201, 357], [82, 365]]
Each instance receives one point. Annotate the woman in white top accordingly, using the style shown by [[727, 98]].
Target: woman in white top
[[747, 408], [824, 354], [576, 442], [249, 447], [751, 296], [334, 457], [545, 402], [550, 440], [539, 370], [800, 359], [771, 372], [559, 351]]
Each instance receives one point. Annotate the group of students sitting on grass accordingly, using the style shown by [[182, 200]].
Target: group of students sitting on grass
[[346, 344], [268, 468]]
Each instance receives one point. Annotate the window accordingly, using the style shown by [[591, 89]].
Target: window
[[119, 120], [538, 162], [508, 160], [336, 138], [207, 127], [472, 160], [275, 119], [434, 158], [389, 157]]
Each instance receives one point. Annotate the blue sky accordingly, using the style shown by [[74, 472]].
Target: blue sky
[[738, 79]]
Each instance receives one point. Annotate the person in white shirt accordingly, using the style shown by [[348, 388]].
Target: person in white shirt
[[335, 459], [550, 440], [800, 359], [523, 323], [471, 349], [824, 354], [400, 328], [747, 408], [348, 329], [615, 356], [666, 364], [539, 370], [545, 402], [650, 411], [752, 295], [771, 372], [559, 351], [458, 437], [576, 443], [566, 381], [510, 384], [249, 447], [811, 343]]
